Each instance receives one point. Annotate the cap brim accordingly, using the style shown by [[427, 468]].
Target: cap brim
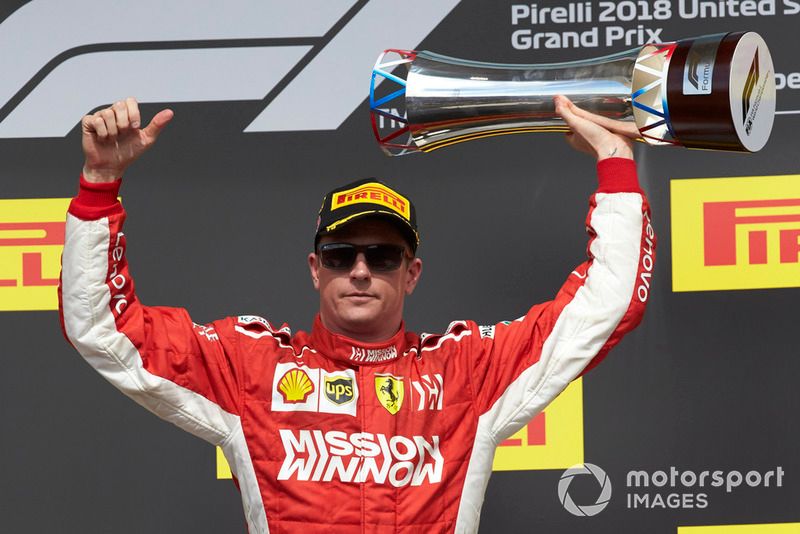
[[405, 228]]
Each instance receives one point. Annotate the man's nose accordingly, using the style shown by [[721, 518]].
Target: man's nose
[[360, 269]]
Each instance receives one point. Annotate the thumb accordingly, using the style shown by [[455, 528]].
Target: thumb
[[562, 106], [566, 108], [158, 123]]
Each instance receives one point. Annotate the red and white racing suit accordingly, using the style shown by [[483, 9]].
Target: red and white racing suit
[[324, 433]]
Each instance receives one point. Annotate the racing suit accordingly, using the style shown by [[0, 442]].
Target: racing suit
[[326, 433]]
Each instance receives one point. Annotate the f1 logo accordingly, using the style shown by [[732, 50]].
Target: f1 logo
[[31, 241], [736, 233], [288, 55]]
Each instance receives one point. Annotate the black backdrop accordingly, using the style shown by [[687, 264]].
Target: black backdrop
[[220, 222]]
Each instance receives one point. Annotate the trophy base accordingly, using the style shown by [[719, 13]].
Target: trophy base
[[714, 92]]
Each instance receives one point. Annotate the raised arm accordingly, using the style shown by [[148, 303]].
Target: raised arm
[[181, 371], [524, 364]]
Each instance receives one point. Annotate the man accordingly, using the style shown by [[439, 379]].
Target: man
[[357, 426]]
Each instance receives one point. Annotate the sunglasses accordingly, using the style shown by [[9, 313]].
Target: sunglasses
[[379, 257]]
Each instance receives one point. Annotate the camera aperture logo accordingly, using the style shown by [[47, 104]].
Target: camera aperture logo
[[670, 488], [586, 510]]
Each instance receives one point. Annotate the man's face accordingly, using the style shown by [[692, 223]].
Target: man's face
[[360, 302]]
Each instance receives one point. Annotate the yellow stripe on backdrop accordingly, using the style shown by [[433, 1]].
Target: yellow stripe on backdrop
[[31, 242], [769, 528]]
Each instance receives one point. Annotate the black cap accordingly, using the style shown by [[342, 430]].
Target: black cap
[[364, 198]]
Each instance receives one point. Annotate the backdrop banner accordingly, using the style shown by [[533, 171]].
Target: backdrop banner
[[689, 426]]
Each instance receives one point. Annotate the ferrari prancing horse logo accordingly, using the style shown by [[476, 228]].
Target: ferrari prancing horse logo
[[389, 389]]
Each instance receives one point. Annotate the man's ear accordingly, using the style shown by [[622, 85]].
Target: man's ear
[[414, 271], [313, 266]]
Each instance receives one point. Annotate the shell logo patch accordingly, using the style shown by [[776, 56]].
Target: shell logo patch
[[295, 386], [390, 391]]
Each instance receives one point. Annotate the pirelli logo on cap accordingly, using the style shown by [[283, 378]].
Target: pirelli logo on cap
[[736, 233], [31, 242], [373, 193], [552, 440]]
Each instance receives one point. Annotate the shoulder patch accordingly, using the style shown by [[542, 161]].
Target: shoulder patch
[[247, 320], [257, 327], [256, 323], [456, 330], [455, 327], [206, 331], [486, 331], [506, 323]]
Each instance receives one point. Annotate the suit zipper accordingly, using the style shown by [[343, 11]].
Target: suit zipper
[[362, 485]]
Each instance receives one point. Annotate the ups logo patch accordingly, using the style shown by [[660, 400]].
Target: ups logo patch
[[339, 389]]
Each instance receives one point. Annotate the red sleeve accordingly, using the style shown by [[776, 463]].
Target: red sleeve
[[96, 200], [183, 372]]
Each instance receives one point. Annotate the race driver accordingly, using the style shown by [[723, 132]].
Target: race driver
[[359, 425]]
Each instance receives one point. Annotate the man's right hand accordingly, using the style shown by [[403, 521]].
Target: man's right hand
[[113, 139], [596, 135]]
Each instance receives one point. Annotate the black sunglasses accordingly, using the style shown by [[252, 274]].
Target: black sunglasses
[[379, 257]]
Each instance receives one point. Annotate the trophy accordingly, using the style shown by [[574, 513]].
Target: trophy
[[713, 92]]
